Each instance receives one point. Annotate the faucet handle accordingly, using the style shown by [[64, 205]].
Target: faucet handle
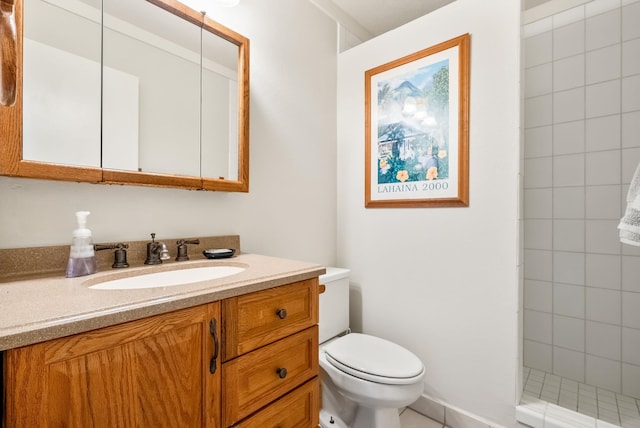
[[120, 255], [182, 248]]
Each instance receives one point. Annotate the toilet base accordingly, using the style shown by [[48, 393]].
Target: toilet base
[[367, 417], [327, 420]]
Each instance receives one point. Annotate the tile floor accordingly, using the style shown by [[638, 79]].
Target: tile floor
[[411, 419], [599, 403]]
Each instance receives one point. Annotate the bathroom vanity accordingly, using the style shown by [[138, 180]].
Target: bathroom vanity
[[237, 351]]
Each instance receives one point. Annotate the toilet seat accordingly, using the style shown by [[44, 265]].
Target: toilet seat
[[374, 359]]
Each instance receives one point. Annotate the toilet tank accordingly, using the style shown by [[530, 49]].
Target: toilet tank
[[334, 303]]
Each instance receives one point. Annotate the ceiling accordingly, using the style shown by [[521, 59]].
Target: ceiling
[[380, 16]]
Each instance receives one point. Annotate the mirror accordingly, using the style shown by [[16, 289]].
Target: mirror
[[136, 92]]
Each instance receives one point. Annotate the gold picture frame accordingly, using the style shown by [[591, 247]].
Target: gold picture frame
[[417, 129]]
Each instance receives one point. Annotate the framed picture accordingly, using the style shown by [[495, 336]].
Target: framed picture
[[417, 129]]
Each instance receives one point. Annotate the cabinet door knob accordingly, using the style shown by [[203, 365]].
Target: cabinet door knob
[[282, 372], [281, 313]]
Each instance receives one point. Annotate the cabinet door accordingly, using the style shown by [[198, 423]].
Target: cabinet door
[[152, 372]]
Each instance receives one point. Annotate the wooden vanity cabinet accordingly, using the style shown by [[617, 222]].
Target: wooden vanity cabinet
[[162, 371], [269, 350], [152, 372]]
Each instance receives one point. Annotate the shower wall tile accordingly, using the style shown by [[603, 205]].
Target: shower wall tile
[[537, 203], [596, 7], [537, 49], [631, 129], [538, 172], [569, 40], [538, 234], [602, 237], [603, 133], [603, 30], [537, 326], [603, 64], [568, 105], [603, 99], [568, 333], [603, 305], [629, 250], [568, 235], [630, 19], [603, 202], [631, 346], [568, 170], [538, 111], [603, 271], [631, 380], [630, 312], [569, 137], [537, 356], [581, 148], [568, 267], [631, 57], [569, 16], [538, 142], [604, 373], [538, 295], [567, 363], [537, 27], [630, 162], [603, 168], [568, 202], [631, 93], [538, 80], [631, 273], [538, 265], [568, 73], [568, 300], [603, 340]]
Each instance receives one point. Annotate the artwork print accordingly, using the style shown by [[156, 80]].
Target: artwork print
[[417, 129]]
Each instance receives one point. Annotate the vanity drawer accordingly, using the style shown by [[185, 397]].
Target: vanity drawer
[[298, 409], [257, 319], [256, 379]]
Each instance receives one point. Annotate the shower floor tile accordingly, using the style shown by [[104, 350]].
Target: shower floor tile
[[599, 403]]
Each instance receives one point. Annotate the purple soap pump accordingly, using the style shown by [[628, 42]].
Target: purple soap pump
[[82, 258]]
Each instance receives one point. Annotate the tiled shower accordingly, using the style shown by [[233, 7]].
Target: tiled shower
[[581, 147]]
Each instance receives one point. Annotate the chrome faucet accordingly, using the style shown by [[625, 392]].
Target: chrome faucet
[[156, 252]]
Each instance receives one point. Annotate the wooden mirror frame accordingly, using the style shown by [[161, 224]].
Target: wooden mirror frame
[[11, 116]]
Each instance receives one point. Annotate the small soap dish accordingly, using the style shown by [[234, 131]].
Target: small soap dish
[[219, 253]]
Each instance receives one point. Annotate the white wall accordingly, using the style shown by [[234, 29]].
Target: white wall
[[290, 210], [443, 281]]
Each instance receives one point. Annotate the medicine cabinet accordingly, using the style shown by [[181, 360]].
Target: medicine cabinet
[[144, 92]]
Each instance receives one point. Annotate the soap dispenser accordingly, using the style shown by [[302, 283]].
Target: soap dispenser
[[82, 258]]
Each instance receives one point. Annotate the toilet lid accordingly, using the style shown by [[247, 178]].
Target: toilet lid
[[373, 358]]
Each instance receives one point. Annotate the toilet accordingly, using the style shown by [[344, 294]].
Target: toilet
[[365, 379]]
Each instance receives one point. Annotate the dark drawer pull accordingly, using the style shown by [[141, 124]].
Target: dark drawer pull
[[282, 372], [281, 313]]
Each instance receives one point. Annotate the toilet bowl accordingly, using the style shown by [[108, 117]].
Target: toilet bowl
[[365, 379]]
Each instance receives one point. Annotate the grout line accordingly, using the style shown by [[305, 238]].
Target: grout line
[[553, 193], [584, 202], [622, 198]]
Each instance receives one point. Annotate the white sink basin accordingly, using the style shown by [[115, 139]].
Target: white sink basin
[[169, 278]]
